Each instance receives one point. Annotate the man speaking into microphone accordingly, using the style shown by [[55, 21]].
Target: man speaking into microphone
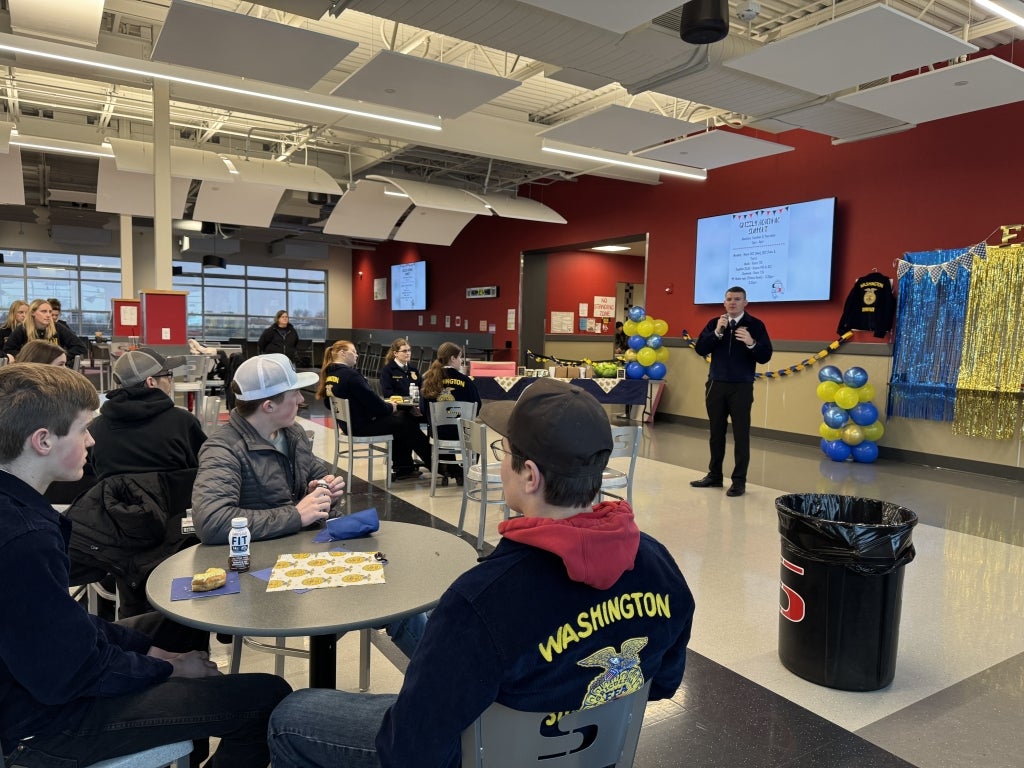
[[737, 341]]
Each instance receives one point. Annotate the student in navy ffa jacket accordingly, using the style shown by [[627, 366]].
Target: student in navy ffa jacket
[[736, 341], [397, 374], [616, 611]]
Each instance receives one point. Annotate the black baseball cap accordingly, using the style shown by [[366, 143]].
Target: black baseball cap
[[557, 425]]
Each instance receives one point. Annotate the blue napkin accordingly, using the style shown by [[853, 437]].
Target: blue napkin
[[350, 527]]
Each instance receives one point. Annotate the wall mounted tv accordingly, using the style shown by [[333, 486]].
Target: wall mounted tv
[[409, 286], [778, 253]]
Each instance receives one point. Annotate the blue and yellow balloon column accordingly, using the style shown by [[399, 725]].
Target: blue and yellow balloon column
[[647, 354], [849, 420]]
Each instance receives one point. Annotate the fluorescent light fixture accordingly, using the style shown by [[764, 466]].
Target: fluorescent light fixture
[[610, 158], [393, 193], [60, 146], [153, 71], [610, 248], [1006, 13]]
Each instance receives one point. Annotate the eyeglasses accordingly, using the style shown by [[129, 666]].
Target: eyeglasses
[[499, 451], [403, 351]]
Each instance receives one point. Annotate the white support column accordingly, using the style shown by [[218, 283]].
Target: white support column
[[162, 245], [127, 257]]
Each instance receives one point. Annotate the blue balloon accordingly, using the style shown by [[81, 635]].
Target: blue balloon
[[834, 416], [636, 314], [634, 370], [654, 341], [837, 450], [855, 377], [656, 371], [864, 414], [826, 406], [637, 342], [865, 452], [830, 373]]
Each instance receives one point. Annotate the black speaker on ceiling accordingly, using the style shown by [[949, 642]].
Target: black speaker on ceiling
[[704, 21], [214, 262]]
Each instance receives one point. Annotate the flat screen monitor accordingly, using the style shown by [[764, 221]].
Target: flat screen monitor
[[781, 253], [409, 286]]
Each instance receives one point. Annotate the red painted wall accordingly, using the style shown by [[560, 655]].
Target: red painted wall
[[944, 184], [576, 277]]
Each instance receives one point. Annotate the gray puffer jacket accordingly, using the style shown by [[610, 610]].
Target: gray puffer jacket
[[243, 475]]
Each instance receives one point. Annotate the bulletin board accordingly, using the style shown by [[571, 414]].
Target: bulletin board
[[127, 316], [164, 317]]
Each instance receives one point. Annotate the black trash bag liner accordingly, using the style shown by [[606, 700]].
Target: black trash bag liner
[[867, 536]]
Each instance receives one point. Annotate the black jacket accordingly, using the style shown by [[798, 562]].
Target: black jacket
[[869, 306], [139, 429], [284, 341], [730, 359], [129, 524], [394, 380], [71, 344], [364, 404]]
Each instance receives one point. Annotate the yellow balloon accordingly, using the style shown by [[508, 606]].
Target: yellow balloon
[[828, 432], [645, 328], [873, 432], [630, 355], [629, 328], [827, 394], [846, 398], [661, 354], [866, 393], [660, 327], [646, 356], [853, 434]]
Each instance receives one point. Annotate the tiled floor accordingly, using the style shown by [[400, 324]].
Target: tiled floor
[[958, 694]]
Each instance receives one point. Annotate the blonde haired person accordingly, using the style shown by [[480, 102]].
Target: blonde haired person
[[15, 316], [43, 352], [38, 324]]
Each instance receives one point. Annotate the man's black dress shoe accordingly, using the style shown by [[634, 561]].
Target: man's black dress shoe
[[736, 489], [707, 482]]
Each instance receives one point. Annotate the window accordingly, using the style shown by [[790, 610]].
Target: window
[[84, 284], [240, 302]]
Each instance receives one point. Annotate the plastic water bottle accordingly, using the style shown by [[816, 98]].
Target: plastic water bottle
[[238, 544], [414, 394]]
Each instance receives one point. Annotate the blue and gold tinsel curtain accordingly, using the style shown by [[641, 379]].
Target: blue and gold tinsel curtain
[[930, 310]]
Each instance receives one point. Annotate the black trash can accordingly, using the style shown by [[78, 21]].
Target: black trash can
[[841, 588]]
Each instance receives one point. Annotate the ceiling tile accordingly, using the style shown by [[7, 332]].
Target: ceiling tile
[[620, 129], [436, 196], [12, 184], [311, 9], [221, 41], [433, 226], [618, 16], [421, 85], [841, 121], [714, 150], [132, 193], [70, 21], [857, 48], [365, 211], [248, 205], [978, 84]]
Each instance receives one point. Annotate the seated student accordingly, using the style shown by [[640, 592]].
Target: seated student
[[370, 414], [37, 351], [616, 611], [39, 324], [445, 381], [260, 464], [139, 429], [75, 689], [15, 316], [397, 374]]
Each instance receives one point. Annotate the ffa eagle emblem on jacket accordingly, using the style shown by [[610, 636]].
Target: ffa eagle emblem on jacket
[[622, 673]]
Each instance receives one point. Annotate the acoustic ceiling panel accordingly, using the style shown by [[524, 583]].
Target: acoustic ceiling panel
[[365, 211], [248, 205], [579, 78], [5, 137], [69, 21], [978, 84], [620, 129], [857, 48], [186, 163], [736, 91], [436, 196], [841, 121], [307, 178], [421, 85], [132, 193], [519, 208], [433, 226], [618, 17], [245, 46], [714, 149], [311, 9], [12, 182]]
